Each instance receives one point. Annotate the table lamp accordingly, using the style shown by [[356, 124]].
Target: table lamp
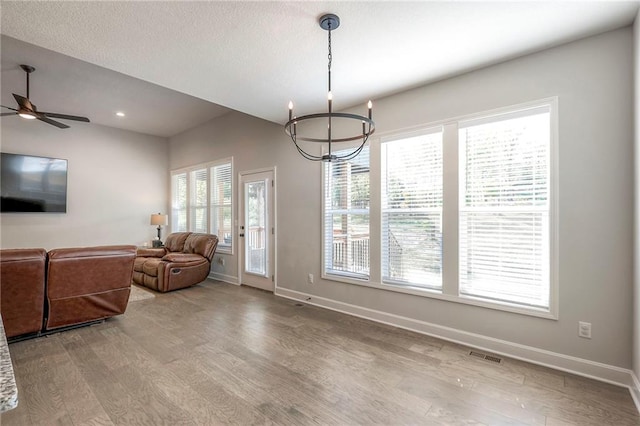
[[159, 219]]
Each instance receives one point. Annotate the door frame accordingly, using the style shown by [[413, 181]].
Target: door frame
[[240, 219]]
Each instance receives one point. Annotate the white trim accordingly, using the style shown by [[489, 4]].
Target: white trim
[[438, 294], [411, 132], [274, 207], [635, 390], [380, 135], [570, 364], [554, 209], [509, 114], [239, 221], [224, 278]]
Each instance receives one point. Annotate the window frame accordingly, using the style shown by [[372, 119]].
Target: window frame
[[450, 287], [174, 217], [208, 166], [222, 246], [401, 138], [511, 210], [331, 274]]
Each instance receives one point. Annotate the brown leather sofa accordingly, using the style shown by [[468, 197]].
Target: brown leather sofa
[[185, 260], [22, 281], [88, 284], [42, 291]]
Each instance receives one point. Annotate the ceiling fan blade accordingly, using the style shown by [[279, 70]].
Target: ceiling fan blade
[[53, 123], [8, 113], [23, 102], [64, 116], [12, 109]]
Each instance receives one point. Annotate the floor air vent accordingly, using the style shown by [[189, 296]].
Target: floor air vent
[[486, 357]]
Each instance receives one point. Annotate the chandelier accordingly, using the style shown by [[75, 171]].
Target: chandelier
[[293, 127]]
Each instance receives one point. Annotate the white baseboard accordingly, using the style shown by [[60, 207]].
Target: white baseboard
[[635, 390], [224, 278], [582, 367]]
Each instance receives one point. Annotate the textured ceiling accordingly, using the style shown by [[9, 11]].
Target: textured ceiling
[[69, 86], [256, 56]]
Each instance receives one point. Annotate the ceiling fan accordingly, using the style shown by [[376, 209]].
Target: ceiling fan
[[29, 111]]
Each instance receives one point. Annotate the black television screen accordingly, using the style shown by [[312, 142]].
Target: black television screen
[[32, 184]]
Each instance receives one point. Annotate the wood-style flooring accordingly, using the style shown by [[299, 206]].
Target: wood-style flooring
[[221, 354]]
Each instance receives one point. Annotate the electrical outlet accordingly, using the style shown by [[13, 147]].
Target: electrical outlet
[[584, 329], [221, 261], [310, 278]]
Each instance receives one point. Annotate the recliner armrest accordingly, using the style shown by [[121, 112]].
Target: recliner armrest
[[150, 252]]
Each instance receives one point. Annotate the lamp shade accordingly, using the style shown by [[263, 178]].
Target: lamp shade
[[159, 219]]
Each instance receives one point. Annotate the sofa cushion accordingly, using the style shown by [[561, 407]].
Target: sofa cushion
[[183, 258], [202, 244], [175, 241], [150, 266], [139, 263]]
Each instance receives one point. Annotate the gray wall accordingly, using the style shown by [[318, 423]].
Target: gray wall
[[253, 143], [116, 179], [593, 80]]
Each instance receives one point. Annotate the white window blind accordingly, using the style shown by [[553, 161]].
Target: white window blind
[[412, 211], [346, 216], [179, 202], [504, 230], [221, 213], [198, 201]]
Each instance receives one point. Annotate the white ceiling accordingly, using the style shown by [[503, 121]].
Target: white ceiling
[[256, 56], [69, 86]]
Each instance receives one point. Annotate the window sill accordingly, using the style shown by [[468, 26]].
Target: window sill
[[224, 250], [435, 294]]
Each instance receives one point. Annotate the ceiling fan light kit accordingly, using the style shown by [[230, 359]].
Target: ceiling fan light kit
[[330, 22], [26, 114], [28, 111]]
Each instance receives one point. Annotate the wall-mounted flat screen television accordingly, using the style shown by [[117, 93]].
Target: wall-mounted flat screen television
[[32, 184]]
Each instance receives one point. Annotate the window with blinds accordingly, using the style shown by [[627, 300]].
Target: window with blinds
[[346, 217], [504, 207], [198, 201], [466, 210], [202, 201], [179, 202], [412, 210], [220, 211]]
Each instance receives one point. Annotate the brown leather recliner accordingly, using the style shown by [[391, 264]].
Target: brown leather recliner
[[22, 284], [88, 284], [185, 260]]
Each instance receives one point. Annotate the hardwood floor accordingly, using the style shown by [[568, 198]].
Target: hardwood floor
[[220, 354]]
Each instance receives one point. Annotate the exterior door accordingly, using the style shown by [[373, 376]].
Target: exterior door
[[257, 230]]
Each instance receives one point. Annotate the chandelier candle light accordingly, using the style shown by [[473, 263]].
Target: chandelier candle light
[[330, 22]]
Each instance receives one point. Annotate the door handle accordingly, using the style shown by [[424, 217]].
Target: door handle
[[241, 235]]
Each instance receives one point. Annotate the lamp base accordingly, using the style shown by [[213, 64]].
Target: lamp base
[[157, 244]]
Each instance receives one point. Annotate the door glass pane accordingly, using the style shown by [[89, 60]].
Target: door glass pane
[[256, 232]]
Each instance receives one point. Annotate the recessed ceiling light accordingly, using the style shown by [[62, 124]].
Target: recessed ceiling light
[[120, 114]]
